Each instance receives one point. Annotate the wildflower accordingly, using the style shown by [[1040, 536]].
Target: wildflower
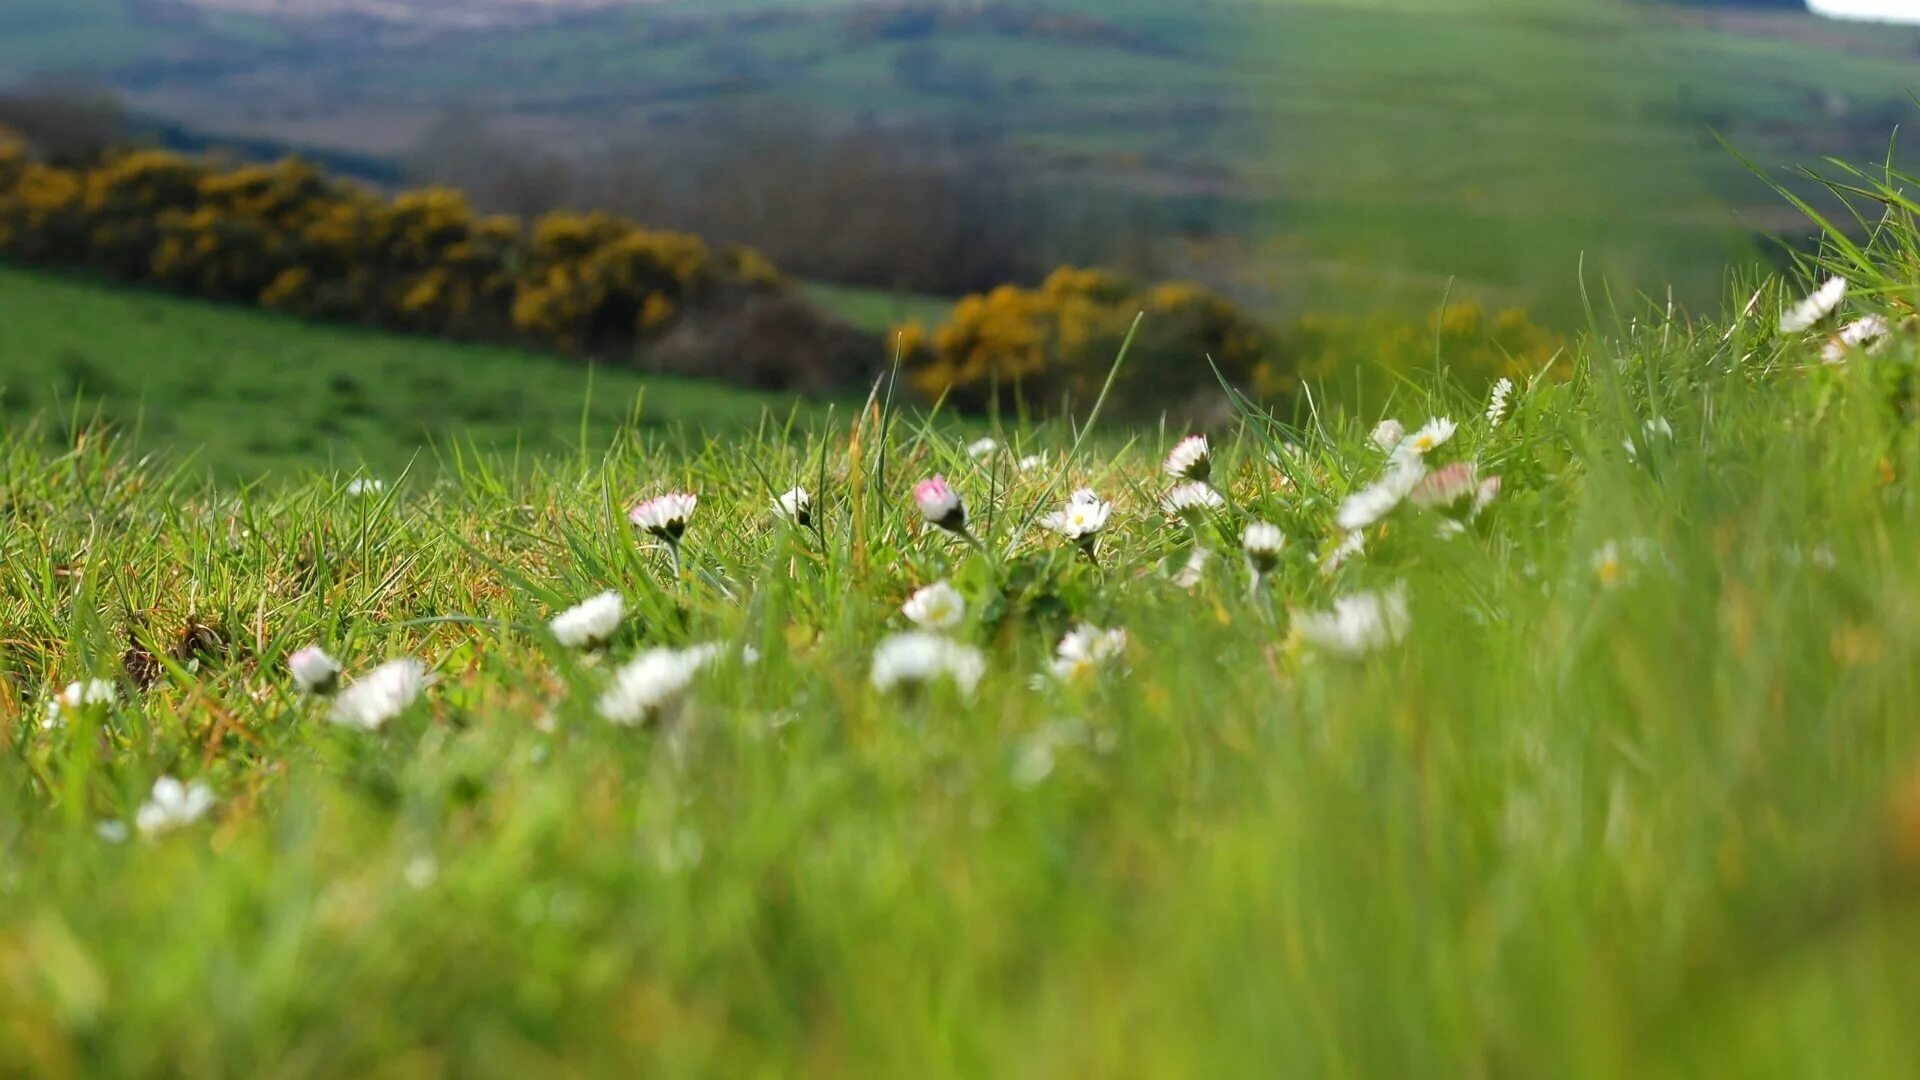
[[80, 696], [314, 671], [1497, 403], [113, 832], [1262, 542], [1484, 495], [665, 516], [913, 659], [1032, 462], [1191, 459], [1608, 568], [173, 805], [1445, 488], [1869, 332], [1085, 648], [1357, 625], [652, 683], [1350, 545], [939, 606], [1815, 308], [1192, 500], [1085, 515], [796, 507], [1423, 442], [1377, 500], [981, 449], [380, 695], [361, 486], [1194, 570], [1388, 434], [941, 505], [590, 623]]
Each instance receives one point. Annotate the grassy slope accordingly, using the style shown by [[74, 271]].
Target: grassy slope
[[1653, 819], [247, 391]]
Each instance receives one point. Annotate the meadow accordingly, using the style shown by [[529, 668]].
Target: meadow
[[1607, 768]]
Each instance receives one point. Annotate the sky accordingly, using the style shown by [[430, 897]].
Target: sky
[[1887, 10]]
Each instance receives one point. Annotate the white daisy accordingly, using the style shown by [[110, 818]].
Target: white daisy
[[665, 516], [1195, 569], [916, 658], [1425, 441], [1191, 500], [1085, 515], [78, 697], [363, 486], [314, 672], [1333, 556], [980, 449], [1357, 625], [1445, 487], [1032, 462], [939, 606], [1815, 308], [173, 805], [1497, 402], [1377, 500], [591, 622], [1262, 543], [380, 695], [1191, 459], [652, 683], [1085, 648], [1869, 332], [1388, 434], [795, 507]]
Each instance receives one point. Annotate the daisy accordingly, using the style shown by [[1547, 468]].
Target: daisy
[[314, 672], [1086, 514], [1423, 442], [911, 660], [796, 507], [1609, 568], [941, 505], [1497, 403], [1261, 543], [1192, 500], [665, 516], [981, 449], [78, 697], [173, 805], [380, 695], [1191, 459], [939, 606], [1350, 545], [1086, 648], [652, 683], [1445, 488], [361, 486], [1377, 500], [1815, 308], [1032, 462], [1869, 332], [1357, 625], [1194, 570], [1388, 434], [590, 623]]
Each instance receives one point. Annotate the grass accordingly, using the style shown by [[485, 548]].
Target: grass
[[244, 392], [1633, 794]]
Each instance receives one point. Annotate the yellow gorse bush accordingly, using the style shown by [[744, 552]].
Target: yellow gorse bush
[[287, 237]]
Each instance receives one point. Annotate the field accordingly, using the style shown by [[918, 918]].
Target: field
[[1327, 155], [245, 393], [1609, 769]]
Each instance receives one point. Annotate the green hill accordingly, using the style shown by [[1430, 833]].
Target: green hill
[[245, 392]]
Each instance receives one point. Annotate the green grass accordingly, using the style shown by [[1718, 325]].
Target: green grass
[[876, 309], [237, 393], [1636, 792]]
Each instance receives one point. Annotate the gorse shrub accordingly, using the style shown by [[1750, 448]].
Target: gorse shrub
[[1056, 343], [288, 237]]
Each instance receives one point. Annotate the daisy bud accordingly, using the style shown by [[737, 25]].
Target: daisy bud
[[1191, 459], [1445, 488], [1192, 500], [1032, 462], [380, 695], [314, 671], [941, 505], [795, 506], [981, 449], [1497, 402], [1262, 543], [1388, 433], [1814, 309]]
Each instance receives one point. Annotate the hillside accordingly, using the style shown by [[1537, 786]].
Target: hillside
[[237, 393]]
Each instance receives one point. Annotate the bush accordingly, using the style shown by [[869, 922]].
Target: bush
[[1052, 346]]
